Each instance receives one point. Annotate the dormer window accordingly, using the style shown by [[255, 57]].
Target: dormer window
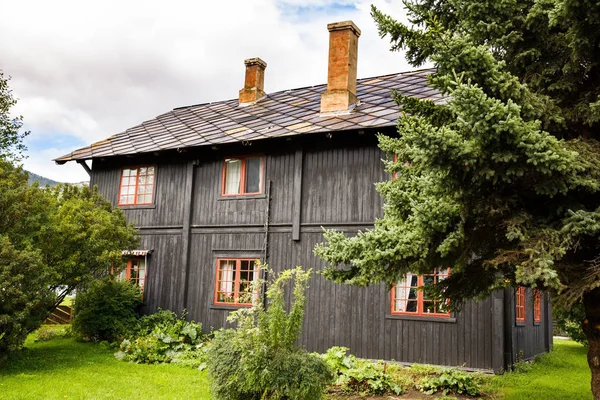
[[242, 176], [137, 185]]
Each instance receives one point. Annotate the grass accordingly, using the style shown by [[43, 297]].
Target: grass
[[65, 369], [560, 375], [62, 368]]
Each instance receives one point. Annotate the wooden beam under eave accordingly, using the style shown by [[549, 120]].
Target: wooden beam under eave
[[85, 166]]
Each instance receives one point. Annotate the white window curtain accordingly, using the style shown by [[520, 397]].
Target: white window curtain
[[227, 270], [402, 293], [233, 175]]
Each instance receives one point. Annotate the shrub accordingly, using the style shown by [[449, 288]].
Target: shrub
[[49, 332], [360, 376], [24, 294], [259, 359], [164, 338], [570, 320], [450, 380], [107, 310]]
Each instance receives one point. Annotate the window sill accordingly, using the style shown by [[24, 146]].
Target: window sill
[[538, 323], [137, 207], [243, 197], [520, 323], [450, 320], [224, 307]]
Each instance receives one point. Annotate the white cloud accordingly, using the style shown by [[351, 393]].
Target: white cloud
[[93, 69]]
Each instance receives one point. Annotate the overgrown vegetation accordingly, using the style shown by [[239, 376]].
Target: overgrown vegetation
[[51, 243], [570, 320], [165, 338], [450, 381], [51, 332], [359, 376], [259, 359], [107, 310]]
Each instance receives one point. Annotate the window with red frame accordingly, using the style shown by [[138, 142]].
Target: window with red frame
[[137, 185], [520, 304], [242, 176], [135, 272], [235, 277], [537, 306], [409, 298]]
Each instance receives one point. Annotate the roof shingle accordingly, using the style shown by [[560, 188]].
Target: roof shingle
[[284, 113]]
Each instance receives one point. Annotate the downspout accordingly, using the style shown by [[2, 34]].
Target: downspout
[[266, 240]]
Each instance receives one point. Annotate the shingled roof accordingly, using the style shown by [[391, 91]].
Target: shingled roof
[[279, 114]]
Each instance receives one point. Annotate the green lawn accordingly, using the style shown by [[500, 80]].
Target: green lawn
[[560, 375], [66, 369]]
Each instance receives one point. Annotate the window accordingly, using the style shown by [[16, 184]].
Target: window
[[135, 272], [137, 185], [408, 299], [520, 304], [242, 176], [233, 285], [537, 306]]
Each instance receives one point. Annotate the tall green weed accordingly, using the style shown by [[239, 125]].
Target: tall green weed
[[260, 359]]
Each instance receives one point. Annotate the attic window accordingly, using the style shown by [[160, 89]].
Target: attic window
[[137, 185], [242, 176], [408, 297]]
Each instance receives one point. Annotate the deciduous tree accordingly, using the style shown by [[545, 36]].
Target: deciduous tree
[[52, 241]]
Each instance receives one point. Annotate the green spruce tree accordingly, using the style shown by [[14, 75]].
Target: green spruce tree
[[502, 181]]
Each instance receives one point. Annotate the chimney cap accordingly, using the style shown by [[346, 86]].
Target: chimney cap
[[255, 61], [343, 25]]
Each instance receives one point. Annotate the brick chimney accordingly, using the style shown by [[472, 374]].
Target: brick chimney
[[341, 75], [255, 81]]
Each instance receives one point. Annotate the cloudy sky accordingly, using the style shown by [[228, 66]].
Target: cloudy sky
[[85, 70]]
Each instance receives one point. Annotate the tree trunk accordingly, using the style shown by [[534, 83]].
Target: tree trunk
[[591, 328]]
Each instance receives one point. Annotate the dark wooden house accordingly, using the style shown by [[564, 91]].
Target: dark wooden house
[[213, 187]]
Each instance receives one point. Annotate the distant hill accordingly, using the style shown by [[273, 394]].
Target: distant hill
[[41, 180]]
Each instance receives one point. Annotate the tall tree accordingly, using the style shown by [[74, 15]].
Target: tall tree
[[11, 137], [501, 182], [52, 241]]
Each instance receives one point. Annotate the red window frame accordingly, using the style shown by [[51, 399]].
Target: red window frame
[[137, 184], [520, 313], [537, 306], [420, 300], [235, 293], [135, 264], [242, 189]]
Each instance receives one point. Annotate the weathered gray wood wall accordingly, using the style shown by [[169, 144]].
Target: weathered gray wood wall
[[528, 339], [315, 182]]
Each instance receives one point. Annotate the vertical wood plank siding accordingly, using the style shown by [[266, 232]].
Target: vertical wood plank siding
[[336, 190], [524, 341]]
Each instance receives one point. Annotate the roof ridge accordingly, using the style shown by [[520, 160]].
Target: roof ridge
[[412, 72]]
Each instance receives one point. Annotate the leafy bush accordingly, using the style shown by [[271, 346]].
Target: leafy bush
[[259, 359], [450, 380], [24, 295], [107, 310], [570, 320], [164, 338], [360, 376], [49, 332]]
